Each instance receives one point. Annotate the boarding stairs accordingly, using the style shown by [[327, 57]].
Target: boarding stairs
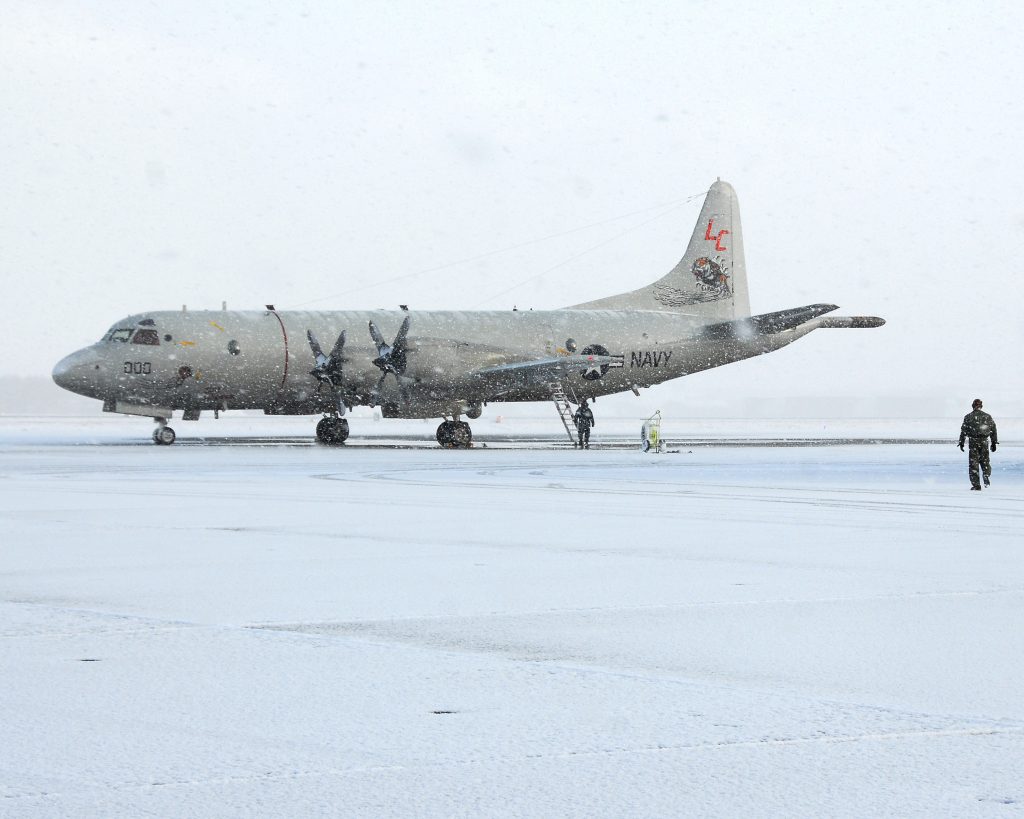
[[564, 408]]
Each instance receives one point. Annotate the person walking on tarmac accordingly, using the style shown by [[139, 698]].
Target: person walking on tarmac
[[584, 420], [977, 428]]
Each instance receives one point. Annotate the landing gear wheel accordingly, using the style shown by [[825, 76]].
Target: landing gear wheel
[[444, 434], [454, 435], [332, 430], [164, 436], [462, 435]]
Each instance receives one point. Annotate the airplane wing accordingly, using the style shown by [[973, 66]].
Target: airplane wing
[[517, 374]]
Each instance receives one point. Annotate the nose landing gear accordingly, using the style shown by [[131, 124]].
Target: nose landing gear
[[163, 435], [332, 430], [455, 435]]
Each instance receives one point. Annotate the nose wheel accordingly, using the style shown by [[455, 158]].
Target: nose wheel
[[332, 430], [163, 435], [455, 435]]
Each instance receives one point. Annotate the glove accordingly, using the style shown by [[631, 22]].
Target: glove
[[961, 445], [993, 446]]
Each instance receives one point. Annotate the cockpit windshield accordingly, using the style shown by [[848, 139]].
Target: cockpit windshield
[[146, 337], [143, 335]]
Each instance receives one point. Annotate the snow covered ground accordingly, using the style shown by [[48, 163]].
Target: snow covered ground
[[247, 624]]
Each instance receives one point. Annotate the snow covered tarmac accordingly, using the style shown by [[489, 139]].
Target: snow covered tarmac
[[289, 629]]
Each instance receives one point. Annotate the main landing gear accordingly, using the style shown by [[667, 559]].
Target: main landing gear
[[331, 430], [455, 435], [163, 435]]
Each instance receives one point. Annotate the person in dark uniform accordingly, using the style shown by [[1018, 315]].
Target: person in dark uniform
[[584, 420], [978, 427]]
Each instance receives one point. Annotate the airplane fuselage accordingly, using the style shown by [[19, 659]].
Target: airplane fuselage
[[217, 360]]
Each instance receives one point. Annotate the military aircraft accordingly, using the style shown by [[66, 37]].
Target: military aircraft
[[444, 364]]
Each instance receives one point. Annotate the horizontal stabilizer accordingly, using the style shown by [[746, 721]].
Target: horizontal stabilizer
[[856, 322], [765, 324]]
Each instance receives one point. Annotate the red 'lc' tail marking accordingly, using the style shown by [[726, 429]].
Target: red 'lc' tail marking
[[717, 238]]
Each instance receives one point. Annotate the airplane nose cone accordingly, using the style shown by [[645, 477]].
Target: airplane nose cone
[[76, 372], [62, 372]]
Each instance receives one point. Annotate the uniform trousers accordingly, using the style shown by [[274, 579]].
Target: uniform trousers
[[977, 460]]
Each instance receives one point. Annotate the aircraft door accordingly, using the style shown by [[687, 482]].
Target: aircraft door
[[244, 356]]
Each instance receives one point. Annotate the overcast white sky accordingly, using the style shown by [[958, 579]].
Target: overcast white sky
[[155, 154]]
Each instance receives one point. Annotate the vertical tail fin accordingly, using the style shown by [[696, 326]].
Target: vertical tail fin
[[710, 279]]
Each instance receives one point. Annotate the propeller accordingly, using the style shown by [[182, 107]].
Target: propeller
[[327, 369], [391, 358]]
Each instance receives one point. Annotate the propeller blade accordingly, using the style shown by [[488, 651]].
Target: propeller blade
[[390, 358], [398, 358], [328, 369], [314, 345], [338, 345], [402, 331], [378, 339], [403, 388]]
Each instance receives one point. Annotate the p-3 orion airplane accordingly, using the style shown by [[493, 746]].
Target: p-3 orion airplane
[[444, 364]]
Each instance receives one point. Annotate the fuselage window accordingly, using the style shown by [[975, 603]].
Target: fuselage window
[[119, 335], [146, 337]]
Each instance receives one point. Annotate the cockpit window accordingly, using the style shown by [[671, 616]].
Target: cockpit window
[[119, 335], [146, 337]]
